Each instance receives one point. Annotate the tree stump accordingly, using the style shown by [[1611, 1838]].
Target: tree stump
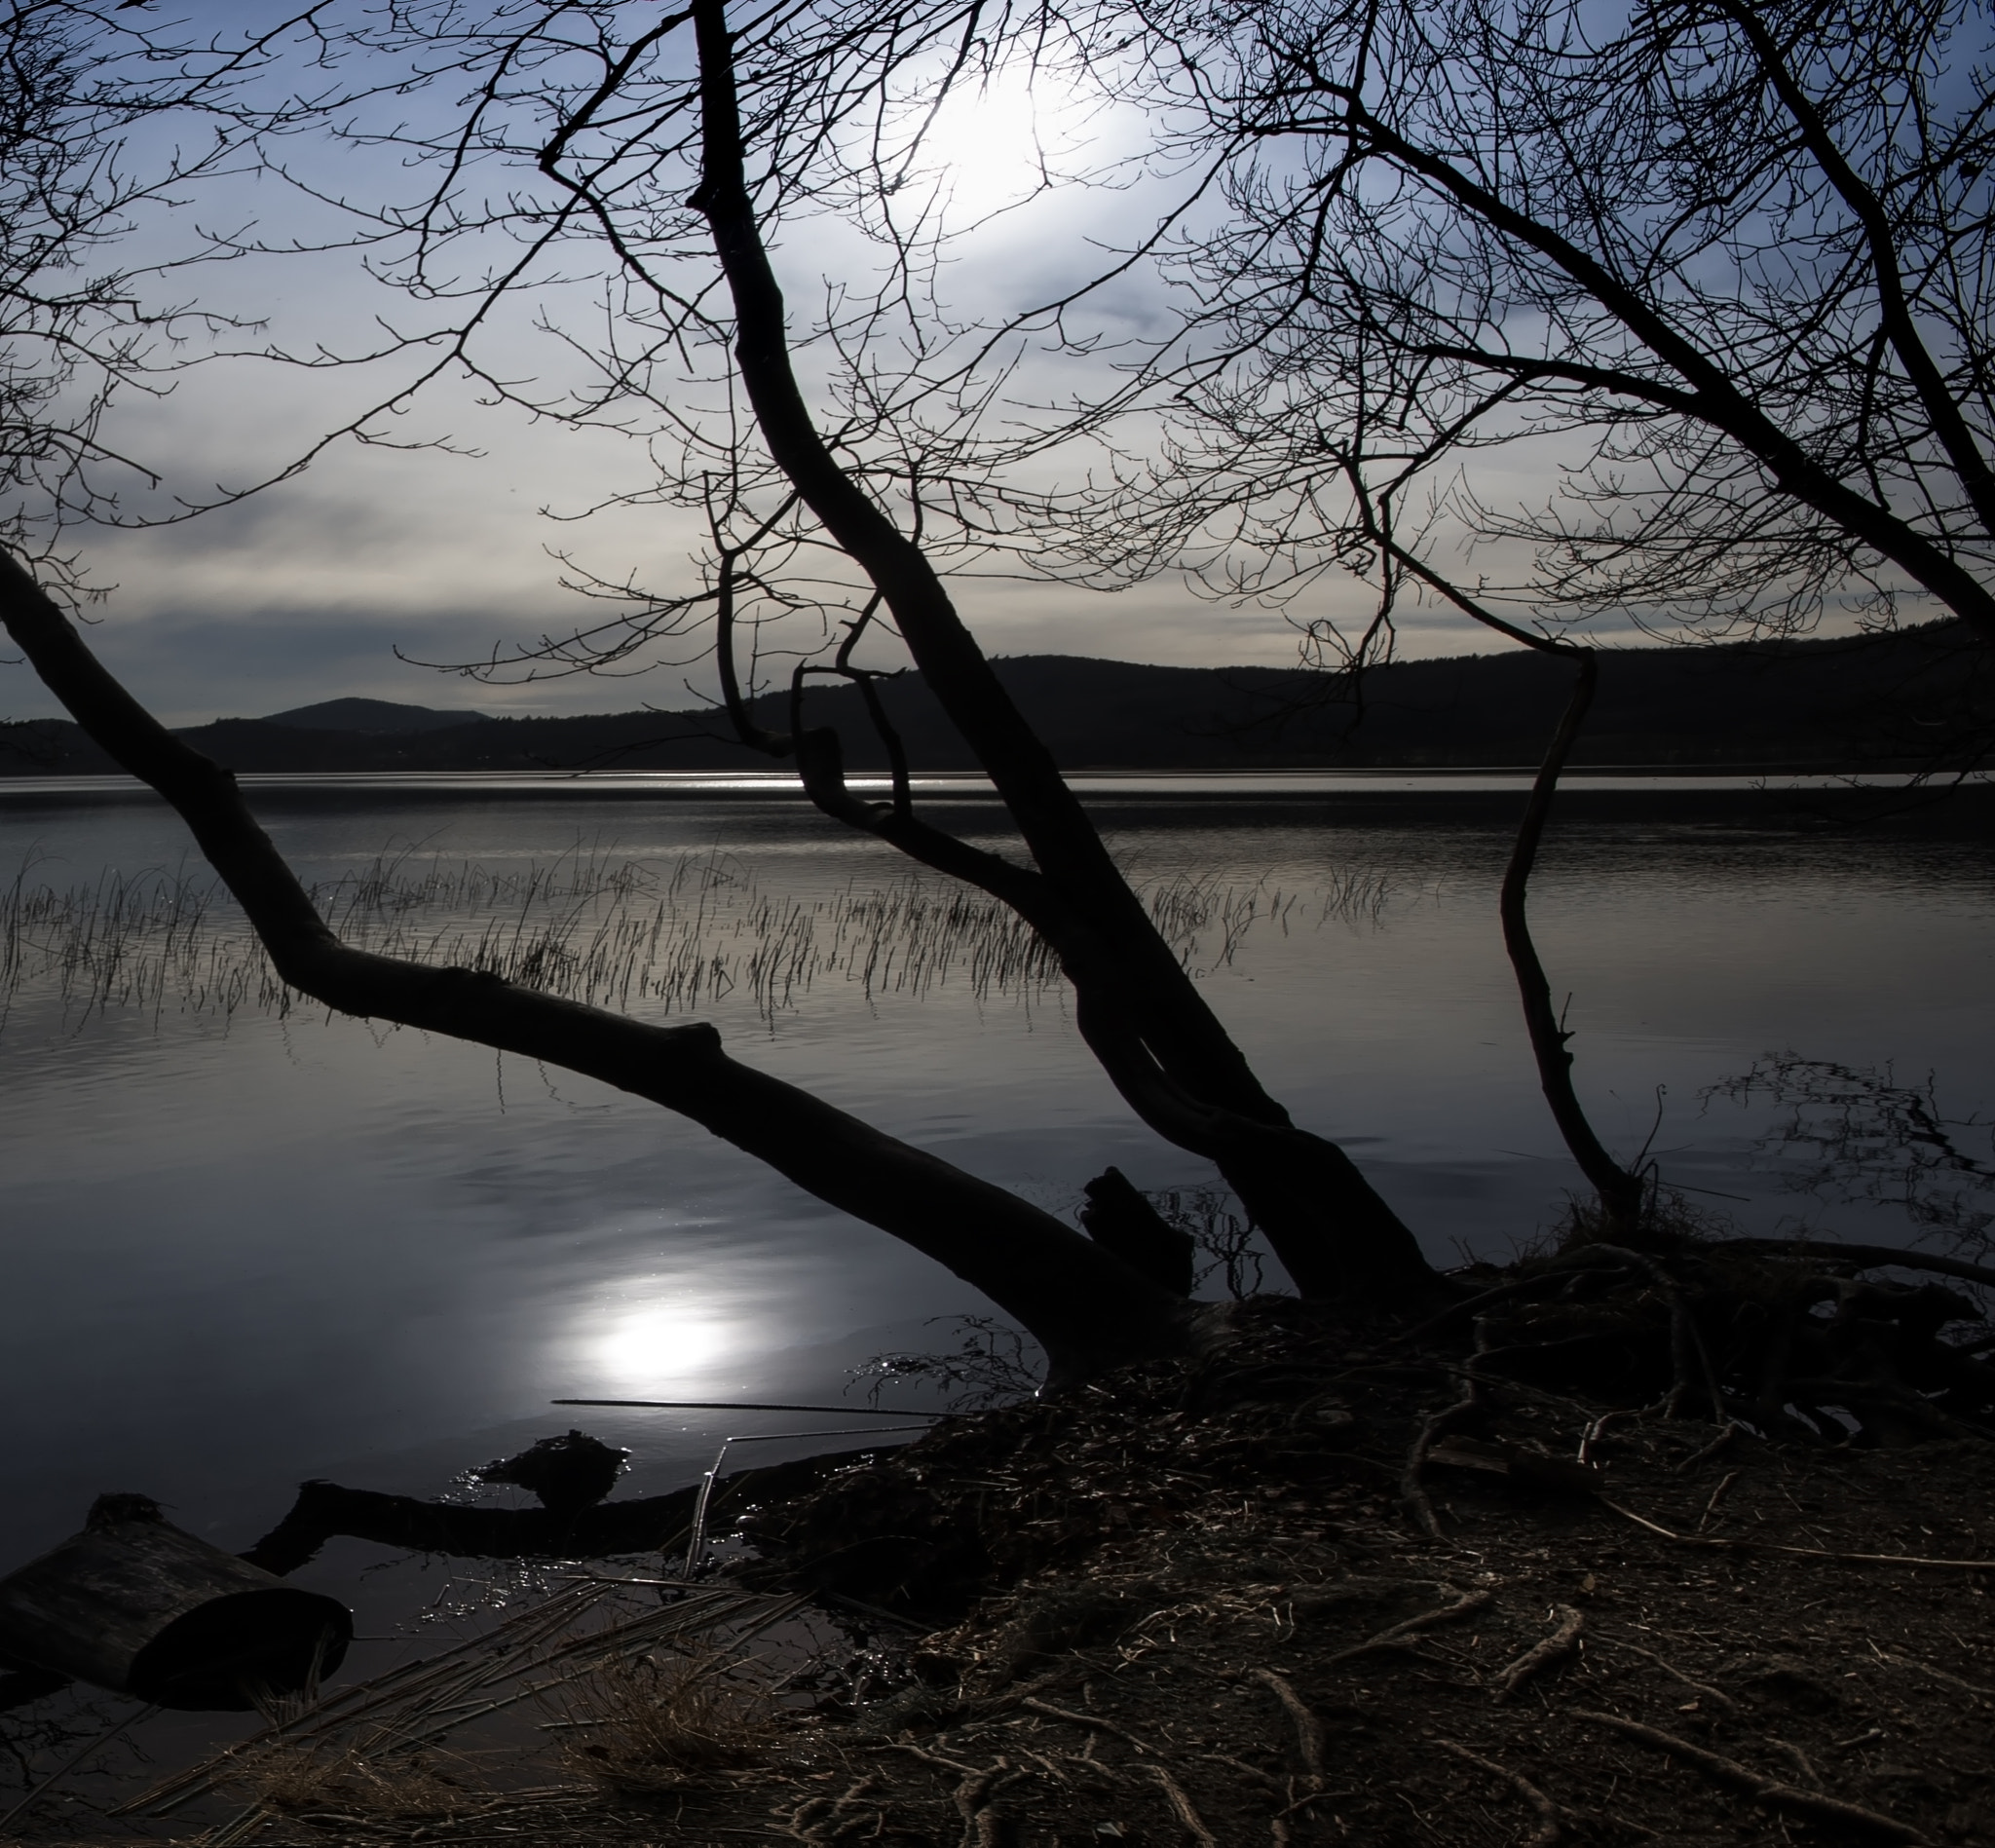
[[133, 1605]]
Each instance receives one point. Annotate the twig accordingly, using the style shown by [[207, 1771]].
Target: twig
[[1722, 1442], [1089, 1721], [1189, 1816], [1254, 1771], [1309, 1728], [1801, 1761], [1767, 1793], [1716, 1696], [1927, 1669], [926, 1757], [1412, 1488], [1599, 1429], [1399, 1632], [1560, 1643], [982, 1825], [1797, 1552], [1717, 1495], [1550, 1830]]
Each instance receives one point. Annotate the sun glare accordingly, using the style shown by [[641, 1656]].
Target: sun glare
[[993, 145]]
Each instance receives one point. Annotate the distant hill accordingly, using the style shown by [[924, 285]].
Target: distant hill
[[1908, 699], [369, 717]]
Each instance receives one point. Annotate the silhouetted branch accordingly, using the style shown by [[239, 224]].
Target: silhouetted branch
[[1083, 1305]]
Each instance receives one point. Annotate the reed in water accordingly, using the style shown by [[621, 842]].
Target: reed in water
[[615, 933]]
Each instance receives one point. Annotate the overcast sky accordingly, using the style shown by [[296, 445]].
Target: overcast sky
[[306, 592]]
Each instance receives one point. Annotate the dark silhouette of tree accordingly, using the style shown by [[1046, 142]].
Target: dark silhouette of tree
[[1137, 1007], [1717, 272], [79, 322], [661, 150]]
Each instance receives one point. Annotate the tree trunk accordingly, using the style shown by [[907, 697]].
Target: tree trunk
[[1620, 1191], [1086, 1309], [133, 1605], [1172, 1058]]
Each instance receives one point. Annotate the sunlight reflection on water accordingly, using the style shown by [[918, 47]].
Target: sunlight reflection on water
[[661, 1334]]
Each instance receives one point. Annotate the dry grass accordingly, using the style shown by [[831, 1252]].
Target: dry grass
[[659, 1723], [1667, 1221], [299, 1780]]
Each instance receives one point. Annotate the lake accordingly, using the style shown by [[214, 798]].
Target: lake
[[249, 1245]]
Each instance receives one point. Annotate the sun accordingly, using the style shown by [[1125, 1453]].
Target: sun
[[994, 144]]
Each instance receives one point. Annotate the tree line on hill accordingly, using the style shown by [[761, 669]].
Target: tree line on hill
[[1916, 698]]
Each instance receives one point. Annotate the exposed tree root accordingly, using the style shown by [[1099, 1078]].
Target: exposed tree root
[[1403, 1633], [1193, 1822], [1768, 1792], [1560, 1643], [1060, 1601], [1309, 1728], [1551, 1829], [1436, 1425], [1089, 1722], [1774, 1339], [1703, 1690]]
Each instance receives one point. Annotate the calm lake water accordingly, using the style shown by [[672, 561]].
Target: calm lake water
[[246, 1247]]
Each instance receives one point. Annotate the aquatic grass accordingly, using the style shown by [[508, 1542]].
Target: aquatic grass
[[621, 934]]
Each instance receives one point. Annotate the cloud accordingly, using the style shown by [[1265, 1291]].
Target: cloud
[[306, 590]]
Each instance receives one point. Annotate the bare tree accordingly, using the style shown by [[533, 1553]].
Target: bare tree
[[662, 151], [1717, 271], [1721, 271], [77, 326], [64, 129], [1623, 1190]]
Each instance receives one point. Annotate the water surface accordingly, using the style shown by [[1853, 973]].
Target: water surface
[[246, 1247]]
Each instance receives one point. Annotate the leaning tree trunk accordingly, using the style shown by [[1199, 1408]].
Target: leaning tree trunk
[[1140, 1012], [1621, 1191], [1088, 1309]]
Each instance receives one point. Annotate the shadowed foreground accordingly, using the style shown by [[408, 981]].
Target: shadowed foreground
[[1192, 1603]]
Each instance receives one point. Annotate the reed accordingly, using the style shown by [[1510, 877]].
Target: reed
[[702, 932]]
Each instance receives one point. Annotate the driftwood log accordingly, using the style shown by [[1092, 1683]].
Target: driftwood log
[[645, 1524], [133, 1605]]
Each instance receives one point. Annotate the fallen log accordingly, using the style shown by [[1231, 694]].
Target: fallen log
[[134, 1605]]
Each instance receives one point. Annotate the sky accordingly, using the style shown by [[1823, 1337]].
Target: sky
[[311, 590]]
